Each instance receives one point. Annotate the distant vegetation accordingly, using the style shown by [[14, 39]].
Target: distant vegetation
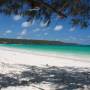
[[25, 41]]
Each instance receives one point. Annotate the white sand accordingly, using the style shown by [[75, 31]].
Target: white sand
[[10, 57], [17, 56]]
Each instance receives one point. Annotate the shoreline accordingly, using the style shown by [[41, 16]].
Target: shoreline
[[15, 62], [64, 55], [18, 56]]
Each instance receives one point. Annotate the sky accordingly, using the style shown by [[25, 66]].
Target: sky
[[58, 30]]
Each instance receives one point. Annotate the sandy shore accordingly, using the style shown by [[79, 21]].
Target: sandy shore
[[14, 62], [17, 56]]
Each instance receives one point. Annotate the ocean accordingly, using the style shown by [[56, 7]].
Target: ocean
[[73, 49]]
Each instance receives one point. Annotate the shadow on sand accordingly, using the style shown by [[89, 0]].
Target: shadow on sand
[[59, 78]]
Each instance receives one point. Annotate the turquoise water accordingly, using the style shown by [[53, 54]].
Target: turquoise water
[[53, 48]]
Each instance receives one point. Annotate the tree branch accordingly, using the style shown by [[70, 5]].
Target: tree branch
[[46, 5]]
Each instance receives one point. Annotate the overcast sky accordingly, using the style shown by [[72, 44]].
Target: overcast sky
[[59, 30]]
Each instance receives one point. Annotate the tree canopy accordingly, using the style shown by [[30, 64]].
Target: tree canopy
[[77, 10]]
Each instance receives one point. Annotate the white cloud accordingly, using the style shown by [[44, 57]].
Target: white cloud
[[72, 29], [36, 30], [58, 27], [46, 34], [73, 38], [88, 36], [81, 39], [26, 24], [8, 31], [17, 17], [57, 39], [42, 24], [24, 31], [19, 37]]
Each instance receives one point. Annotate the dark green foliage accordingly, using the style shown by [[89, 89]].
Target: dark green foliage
[[24, 41], [77, 10]]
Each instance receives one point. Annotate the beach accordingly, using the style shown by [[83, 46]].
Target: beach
[[16, 61], [17, 56]]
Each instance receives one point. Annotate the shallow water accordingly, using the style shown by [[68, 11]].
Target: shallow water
[[73, 49]]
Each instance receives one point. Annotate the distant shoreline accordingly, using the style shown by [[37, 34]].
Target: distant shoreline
[[31, 41]]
